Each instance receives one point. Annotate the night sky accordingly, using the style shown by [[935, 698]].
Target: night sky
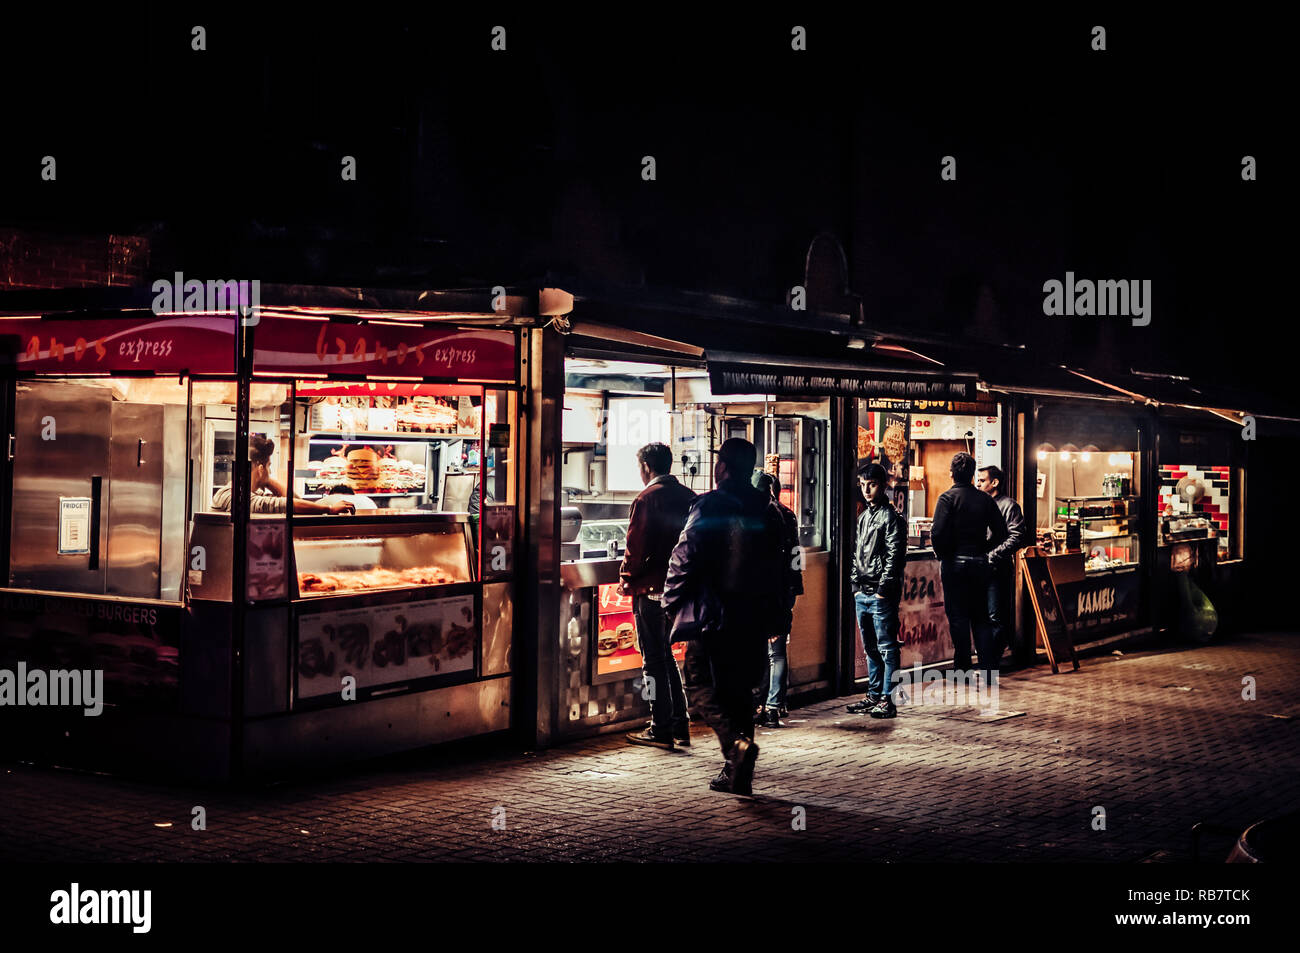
[[478, 168]]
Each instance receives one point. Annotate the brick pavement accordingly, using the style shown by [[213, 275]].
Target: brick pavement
[[1159, 739]]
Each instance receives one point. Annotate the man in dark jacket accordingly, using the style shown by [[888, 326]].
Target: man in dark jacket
[[967, 525], [1002, 558], [878, 560], [657, 517], [769, 704], [730, 566]]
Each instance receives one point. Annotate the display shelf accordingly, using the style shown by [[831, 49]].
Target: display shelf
[[1100, 519], [1093, 499], [310, 495], [408, 436]]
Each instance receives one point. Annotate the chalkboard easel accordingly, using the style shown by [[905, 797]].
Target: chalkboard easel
[[1052, 627]]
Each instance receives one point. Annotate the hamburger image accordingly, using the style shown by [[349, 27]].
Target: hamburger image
[[334, 470], [607, 642], [626, 634]]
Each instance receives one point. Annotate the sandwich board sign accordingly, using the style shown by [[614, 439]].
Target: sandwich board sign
[[1052, 628]]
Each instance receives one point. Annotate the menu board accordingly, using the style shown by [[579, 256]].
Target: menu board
[[1053, 632], [386, 644], [616, 638]]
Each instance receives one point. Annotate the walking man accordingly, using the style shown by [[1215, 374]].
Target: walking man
[[775, 682], [967, 526], [725, 590], [878, 560], [1002, 560], [656, 520]]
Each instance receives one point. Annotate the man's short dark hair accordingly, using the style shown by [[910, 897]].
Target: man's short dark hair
[[874, 471], [657, 457], [963, 467], [260, 449], [995, 473], [738, 456]]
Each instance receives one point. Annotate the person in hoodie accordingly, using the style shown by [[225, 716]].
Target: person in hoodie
[[730, 569]]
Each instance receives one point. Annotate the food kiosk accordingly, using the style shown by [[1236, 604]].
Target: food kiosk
[[613, 407], [915, 440], [347, 594]]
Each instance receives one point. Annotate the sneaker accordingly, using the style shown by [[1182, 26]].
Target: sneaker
[[650, 739], [682, 740], [868, 702], [743, 755], [783, 712], [884, 709], [772, 719], [723, 781]]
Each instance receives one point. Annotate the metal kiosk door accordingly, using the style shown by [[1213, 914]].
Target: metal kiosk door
[[61, 438]]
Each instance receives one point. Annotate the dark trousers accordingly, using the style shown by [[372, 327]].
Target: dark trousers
[[966, 603], [720, 676], [1001, 607], [667, 699]]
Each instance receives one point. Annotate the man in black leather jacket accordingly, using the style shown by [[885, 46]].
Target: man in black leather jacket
[[731, 557], [967, 526], [1002, 558], [877, 575]]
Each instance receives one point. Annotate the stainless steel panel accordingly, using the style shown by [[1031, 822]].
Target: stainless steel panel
[[589, 572], [276, 747], [214, 533], [173, 503], [44, 470], [498, 625], [135, 501]]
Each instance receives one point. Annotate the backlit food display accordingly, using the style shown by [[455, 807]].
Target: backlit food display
[[310, 583]]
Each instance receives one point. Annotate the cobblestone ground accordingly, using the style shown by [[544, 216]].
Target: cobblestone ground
[[1160, 740]]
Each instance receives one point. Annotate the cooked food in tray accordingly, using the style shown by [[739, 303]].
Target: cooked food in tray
[[312, 583]]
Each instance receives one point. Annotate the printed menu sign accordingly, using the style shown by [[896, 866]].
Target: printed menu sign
[[383, 645], [266, 575], [74, 525]]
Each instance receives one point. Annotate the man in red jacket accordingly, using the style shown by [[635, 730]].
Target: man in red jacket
[[657, 517]]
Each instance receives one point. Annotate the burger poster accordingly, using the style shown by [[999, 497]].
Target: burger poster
[[382, 645], [616, 641]]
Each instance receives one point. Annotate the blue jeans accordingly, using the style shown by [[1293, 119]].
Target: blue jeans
[[880, 617], [966, 603], [1001, 607], [778, 672], [668, 700]]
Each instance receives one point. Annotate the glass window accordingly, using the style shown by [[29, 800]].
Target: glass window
[[1198, 500]]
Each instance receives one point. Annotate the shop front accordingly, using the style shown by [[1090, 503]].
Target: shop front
[[283, 544], [614, 390], [915, 440]]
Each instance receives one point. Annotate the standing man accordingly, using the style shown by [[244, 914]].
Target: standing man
[[727, 581], [878, 560], [967, 525], [1002, 559], [657, 517], [771, 690]]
